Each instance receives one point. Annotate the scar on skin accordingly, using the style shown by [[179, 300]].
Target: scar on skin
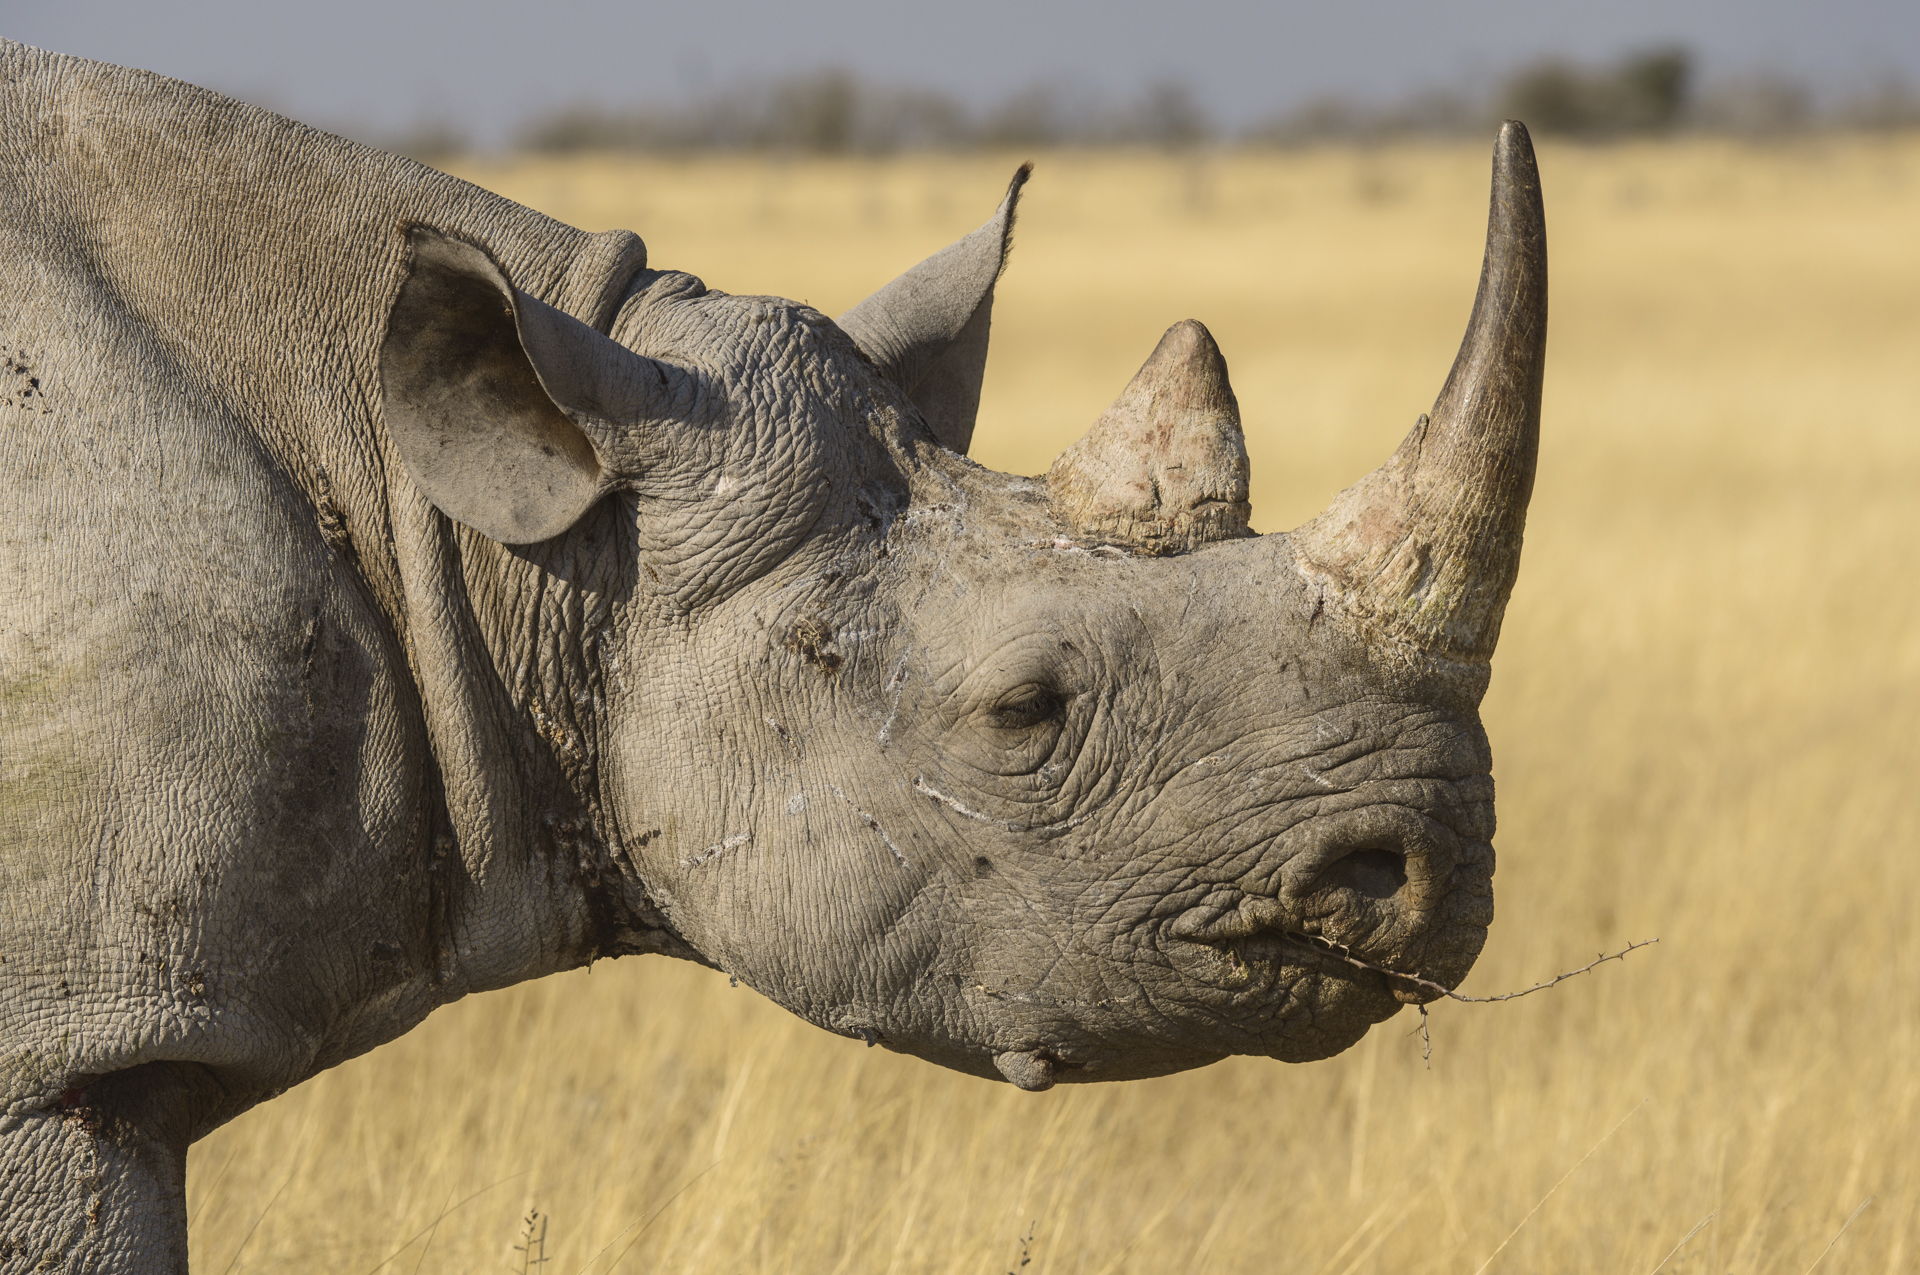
[[895, 684], [925, 789], [873, 825], [785, 738], [714, 851]]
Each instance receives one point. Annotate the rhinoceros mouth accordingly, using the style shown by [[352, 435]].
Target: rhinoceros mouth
[[1248, 948], [1407, 987]]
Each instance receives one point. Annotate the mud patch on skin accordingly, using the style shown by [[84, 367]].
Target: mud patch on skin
[[812, 640], [20, 383]]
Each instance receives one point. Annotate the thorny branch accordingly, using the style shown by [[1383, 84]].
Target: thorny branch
[[1322, 947]]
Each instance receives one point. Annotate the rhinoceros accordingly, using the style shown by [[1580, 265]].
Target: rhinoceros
[[405, 595]]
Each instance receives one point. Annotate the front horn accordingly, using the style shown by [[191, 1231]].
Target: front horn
[[1424, 550]]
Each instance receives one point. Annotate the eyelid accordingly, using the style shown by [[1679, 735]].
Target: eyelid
[[1020, 666], [1026, 693], [1029, 705]]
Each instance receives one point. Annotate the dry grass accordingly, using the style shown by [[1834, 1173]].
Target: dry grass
[[1702, 719]]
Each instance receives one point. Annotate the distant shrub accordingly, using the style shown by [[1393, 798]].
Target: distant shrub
[[836, 112], [833, 112], [1431, 113], [1755, 105], [829, 112], [1648, 92], [1890, 103]]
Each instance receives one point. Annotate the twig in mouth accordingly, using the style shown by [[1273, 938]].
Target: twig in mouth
[[1322, 947]]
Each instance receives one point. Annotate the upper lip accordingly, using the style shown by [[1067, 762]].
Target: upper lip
[[1255, 915]]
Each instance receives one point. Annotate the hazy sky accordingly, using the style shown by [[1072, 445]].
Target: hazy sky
[[381, 66]]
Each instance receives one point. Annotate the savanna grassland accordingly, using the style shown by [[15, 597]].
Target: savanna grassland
[[1703, 715]]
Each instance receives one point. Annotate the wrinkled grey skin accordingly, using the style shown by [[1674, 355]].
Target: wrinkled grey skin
[[293, 752]]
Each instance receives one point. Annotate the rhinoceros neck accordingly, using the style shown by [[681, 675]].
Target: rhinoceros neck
[[510, 649]]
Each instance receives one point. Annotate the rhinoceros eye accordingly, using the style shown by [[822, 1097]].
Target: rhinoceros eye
[[1027, 706]]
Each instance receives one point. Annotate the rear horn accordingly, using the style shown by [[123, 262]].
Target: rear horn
[[1164, 469]]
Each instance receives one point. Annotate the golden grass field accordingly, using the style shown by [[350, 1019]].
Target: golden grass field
[[1703, 717]]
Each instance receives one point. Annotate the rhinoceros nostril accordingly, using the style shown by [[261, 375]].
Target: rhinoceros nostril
[[1384, 858], [1373, 873]]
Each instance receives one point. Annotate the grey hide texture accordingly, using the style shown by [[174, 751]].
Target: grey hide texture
[[404, 595]]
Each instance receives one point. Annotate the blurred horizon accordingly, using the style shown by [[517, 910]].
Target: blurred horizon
[[432, 78]]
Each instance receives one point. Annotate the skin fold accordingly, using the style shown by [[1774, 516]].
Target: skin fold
[[404, 595]]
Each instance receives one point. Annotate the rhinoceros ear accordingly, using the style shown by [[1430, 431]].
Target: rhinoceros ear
[[927, 330], [494, 398]]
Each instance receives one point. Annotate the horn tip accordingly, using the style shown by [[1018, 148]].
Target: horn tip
[[1201, 378], [1513, 158], [1186, 338]]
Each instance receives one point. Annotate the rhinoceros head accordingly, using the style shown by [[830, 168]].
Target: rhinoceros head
[[1071, 777]]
